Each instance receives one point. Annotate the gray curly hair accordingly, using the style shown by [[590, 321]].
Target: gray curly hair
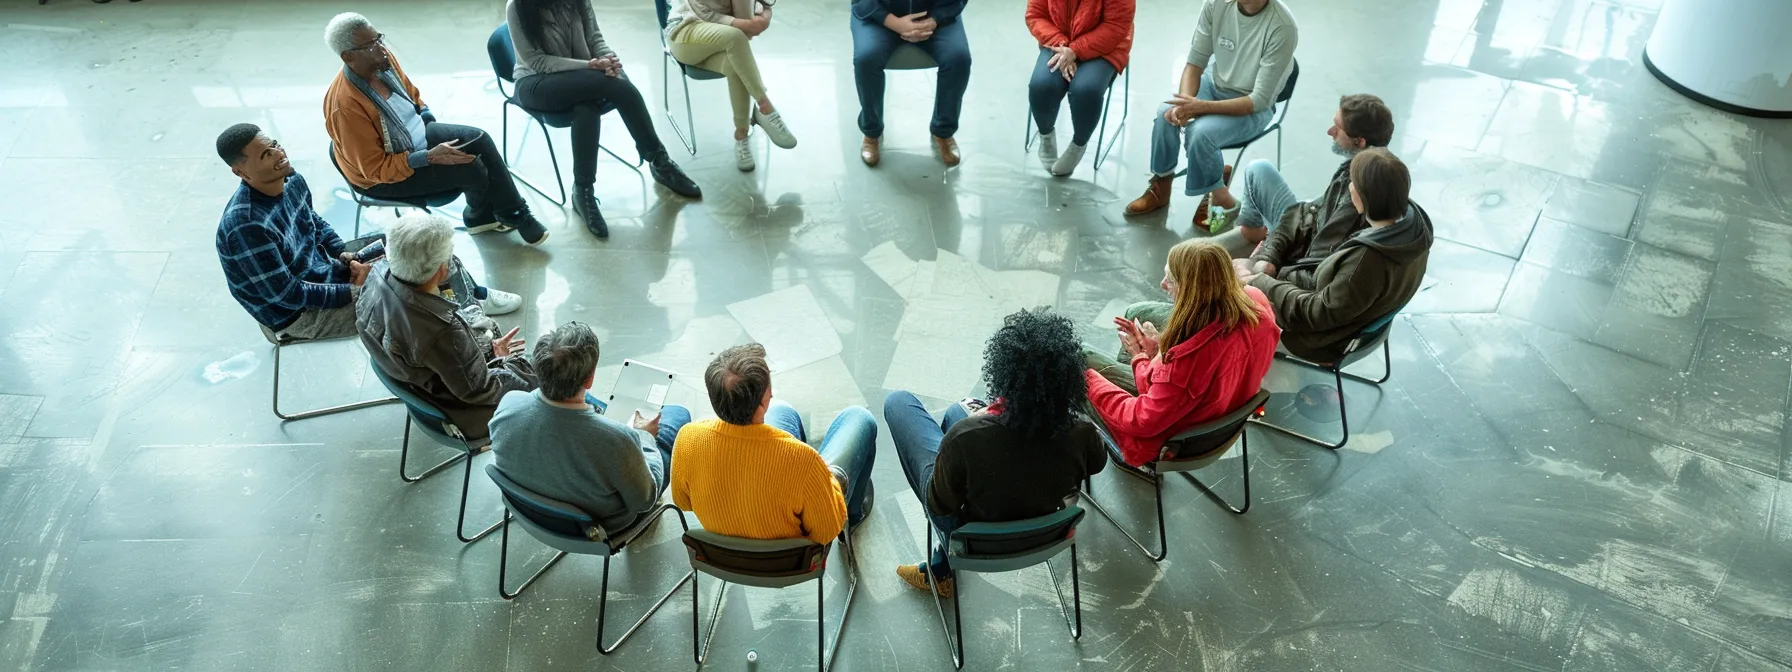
[[340, 34]]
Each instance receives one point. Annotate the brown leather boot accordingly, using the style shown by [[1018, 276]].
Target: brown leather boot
[[868, 152], [1155, 198], [948, 149]]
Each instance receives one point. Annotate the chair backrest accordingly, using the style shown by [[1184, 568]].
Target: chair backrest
[[502, 52], [765, 563], [1207, 441], [1008, 546], [429, 417], [547, 513], [1288, 88], [663, 9]]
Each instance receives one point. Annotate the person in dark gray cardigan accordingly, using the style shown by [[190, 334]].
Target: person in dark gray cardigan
[[562, 65]]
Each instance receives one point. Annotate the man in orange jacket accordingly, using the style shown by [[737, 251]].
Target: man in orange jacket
[[388, 144]]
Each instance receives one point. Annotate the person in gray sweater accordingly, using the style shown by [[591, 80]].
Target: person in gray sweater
[[553, 440], [563, 64]]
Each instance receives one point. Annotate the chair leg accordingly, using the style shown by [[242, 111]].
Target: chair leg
[[552, 156], [666, 65], [954, 644], [1076, 626], [357, 221], [1338, 375], [460, 526], [699, 643], [1244, 441], [504, 563], [1157, 486], [404, 453], [847, 552], [328, 410], [1119, 129], [604, 595]]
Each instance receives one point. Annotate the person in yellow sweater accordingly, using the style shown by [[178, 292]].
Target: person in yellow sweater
[[750, 472]]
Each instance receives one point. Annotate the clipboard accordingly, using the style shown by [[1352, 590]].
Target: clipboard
[[640, 387]]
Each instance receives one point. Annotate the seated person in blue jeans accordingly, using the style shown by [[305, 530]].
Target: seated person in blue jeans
[[555, 442], [1019, 457], [1238, 62], [750, 472], [878, 28]]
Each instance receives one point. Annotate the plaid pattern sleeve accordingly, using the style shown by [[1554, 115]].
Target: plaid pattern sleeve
[[267, 267], [326, 236]]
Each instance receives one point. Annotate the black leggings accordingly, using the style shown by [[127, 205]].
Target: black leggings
[[586, 93]]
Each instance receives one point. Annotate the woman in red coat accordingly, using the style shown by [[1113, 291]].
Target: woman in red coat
[[1210, 357], [1082, 47]]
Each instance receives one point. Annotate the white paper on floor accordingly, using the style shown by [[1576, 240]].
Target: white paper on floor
[[791, 326], [819, 391], [952, 305]]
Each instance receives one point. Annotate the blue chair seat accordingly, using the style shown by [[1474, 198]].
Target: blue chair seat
[[422, 414], [700, 74], [1006, 547]]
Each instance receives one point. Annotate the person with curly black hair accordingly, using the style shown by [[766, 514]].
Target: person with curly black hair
[[1018, 457]]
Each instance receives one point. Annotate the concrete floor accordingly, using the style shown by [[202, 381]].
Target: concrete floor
[[1580, 463]]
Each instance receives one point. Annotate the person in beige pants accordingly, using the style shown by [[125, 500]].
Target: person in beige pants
[[711, 35]]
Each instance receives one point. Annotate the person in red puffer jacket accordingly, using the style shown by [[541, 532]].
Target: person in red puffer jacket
[[1214, 348], [1083, 45]]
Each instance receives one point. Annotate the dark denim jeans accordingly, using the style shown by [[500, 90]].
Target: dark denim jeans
[[917, 438], [872, 45]]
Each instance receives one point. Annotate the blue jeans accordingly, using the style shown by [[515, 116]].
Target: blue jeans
[[1266, 196], [917, 438], [1201, 139], [851, 444], [872, 45], [672, 419], [1087, 90]]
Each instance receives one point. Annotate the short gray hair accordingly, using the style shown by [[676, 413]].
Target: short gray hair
[[417, 245], [340, 33], [564, 360]]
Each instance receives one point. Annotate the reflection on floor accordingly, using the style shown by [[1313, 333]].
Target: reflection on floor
[[1580, 463]]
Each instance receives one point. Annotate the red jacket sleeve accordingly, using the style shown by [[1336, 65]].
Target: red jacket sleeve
[[1149, 414], [1039, 22], [1116, 24]]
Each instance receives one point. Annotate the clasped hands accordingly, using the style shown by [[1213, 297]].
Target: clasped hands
[[913, 28], [611, 65], [1182, 109], [1247, 269], [1063, 61], [1137, 337]]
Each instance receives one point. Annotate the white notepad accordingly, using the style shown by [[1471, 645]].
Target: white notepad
[[640, 387]]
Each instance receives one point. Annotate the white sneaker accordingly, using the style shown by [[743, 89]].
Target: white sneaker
[[774, 128], [1066, 164], [1048, 150], [500, 302], [743, 154]]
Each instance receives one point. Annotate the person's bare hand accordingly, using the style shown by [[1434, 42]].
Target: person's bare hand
[[1182, 109], [1266, 268], [508, 344], [645, 424], [347, 257], [1147, 335], [1242, 267], [904, 25], [1062, 61], [1069, 69], [357, 272], [1129, 336], [449, 154]]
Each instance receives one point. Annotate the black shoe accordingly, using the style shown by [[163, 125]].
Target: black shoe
[[585, 202], [531, 230], [668, 173]]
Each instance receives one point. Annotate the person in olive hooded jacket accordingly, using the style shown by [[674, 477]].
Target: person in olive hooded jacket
[[1322, 304]]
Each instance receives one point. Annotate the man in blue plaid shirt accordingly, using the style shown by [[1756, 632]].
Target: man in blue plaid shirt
[[284, 264]]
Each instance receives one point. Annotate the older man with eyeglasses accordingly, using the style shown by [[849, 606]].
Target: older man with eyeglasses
[[390, 146]]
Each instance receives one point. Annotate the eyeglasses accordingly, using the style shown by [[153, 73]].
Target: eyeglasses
[[370, 47]]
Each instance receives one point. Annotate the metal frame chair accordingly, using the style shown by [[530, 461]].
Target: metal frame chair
[[777, 563], [363, 201], [282, 342], [1101, 136], [686, 73], [566, 529], [502, 52], [1204, 444], [422, 414], [988, 548], [1282, 101], [1365, 342]]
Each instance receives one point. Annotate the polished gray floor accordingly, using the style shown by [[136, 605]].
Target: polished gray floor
[[1580, 463]]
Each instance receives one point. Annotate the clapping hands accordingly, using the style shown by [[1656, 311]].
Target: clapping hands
[[1137, 337]]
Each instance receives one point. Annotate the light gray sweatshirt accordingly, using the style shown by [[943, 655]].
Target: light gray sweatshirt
[[605, 468], [721, 12], [570, 39], [1252, 55]]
